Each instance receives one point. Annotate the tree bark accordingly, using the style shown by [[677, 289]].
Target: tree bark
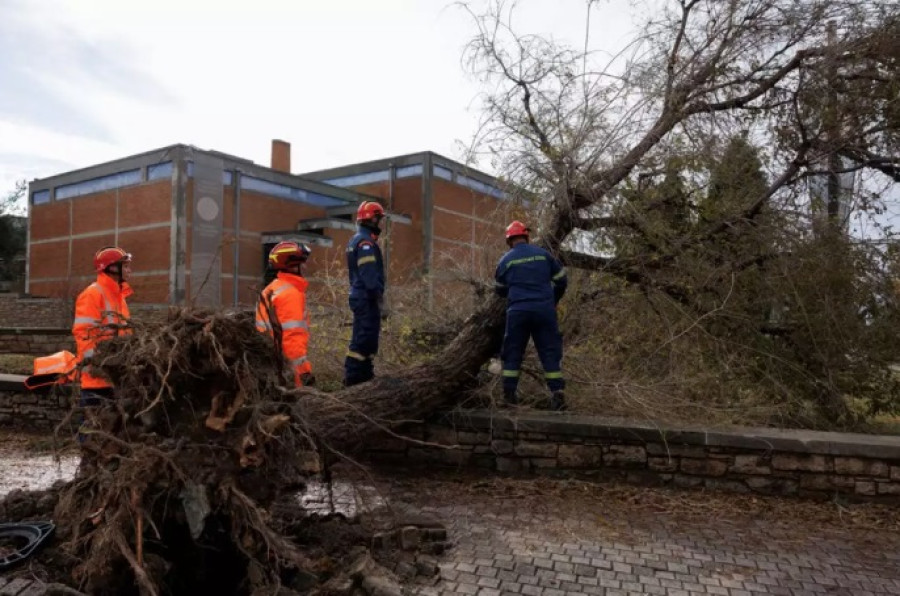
[[345, 419]]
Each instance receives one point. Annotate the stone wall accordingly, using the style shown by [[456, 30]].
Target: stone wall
[[57, 313], [30, 411], [35, 341], [22, 336], [35, 312], [746, 460], [767, 461]]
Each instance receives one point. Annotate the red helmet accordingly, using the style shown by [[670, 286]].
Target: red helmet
[[368, 210], [516, 228], [108, 256], [285, 254]]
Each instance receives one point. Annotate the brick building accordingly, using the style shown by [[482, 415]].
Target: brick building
[[201, 222]]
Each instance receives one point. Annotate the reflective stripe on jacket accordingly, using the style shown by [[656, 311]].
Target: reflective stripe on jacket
[[286, 298], [98, 309]]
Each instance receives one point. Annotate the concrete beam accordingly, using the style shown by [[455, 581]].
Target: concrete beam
[[401, 161], [428, 224], [170, 153], [732, 437], [296, 236], [141, 160], [322, 223], [351, 196], [12, 383], [440, 160]]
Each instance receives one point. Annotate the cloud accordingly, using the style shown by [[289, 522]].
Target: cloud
[[50, 73], [15, 167], [86, 81], [30, 150]]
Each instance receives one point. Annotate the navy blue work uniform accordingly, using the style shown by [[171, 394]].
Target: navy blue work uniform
[[532, 281], [366, 268]]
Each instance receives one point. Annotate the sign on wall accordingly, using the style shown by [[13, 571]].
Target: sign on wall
[[206, 231]]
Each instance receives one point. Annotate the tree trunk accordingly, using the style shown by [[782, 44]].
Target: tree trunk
[[344, 419]]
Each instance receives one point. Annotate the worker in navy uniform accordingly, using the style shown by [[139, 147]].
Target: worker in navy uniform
[[366, 268], [533, 282]]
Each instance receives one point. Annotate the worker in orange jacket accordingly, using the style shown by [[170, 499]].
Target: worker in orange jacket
[[101, 313], [281, 312]]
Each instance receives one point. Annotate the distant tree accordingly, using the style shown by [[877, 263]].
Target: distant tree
[[13, 235], [735, 180]]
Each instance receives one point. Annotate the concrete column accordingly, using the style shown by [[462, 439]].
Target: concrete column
[[428, 225], [178, 229]]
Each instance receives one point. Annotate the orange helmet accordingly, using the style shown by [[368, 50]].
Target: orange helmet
[[516, 228], [368, 210], [285, 254], [108, 256]]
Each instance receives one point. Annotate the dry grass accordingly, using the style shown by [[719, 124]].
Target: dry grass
[[16, 364], [623, 357]]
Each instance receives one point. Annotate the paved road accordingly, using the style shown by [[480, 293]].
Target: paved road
[[547, 539]]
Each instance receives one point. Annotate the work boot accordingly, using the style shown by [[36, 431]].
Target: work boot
[[558, 401], [510, 398]]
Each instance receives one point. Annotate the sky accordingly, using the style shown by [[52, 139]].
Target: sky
[[87, 81]]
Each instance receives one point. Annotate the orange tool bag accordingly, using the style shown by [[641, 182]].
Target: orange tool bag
[[56, 369]]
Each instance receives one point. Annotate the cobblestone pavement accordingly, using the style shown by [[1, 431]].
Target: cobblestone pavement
[[556, 538], [582, 541]]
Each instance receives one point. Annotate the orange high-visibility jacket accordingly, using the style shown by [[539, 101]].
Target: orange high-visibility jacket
[[99, 306], [56, 369], [286, 296]]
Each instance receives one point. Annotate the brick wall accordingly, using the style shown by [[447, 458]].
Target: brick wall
[[468, 239], [65, 234], [768, 461]]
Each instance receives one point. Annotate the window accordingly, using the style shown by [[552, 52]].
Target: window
[[358, 179], [409, 171], [442, 172], [98, 184], [160, 171], [40, 197], [289, 192]]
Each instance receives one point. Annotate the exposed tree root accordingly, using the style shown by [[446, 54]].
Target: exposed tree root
[[180, 473]]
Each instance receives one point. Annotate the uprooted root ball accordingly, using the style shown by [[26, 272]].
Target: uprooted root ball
[[189, 476]]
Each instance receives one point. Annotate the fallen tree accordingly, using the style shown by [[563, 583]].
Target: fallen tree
[[194, 466], [625, 149], [189, 479]]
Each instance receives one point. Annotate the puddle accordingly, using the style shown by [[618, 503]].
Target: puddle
[[344, 498], [34, 472], [22, 470]]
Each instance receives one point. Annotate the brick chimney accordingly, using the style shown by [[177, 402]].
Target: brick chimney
[[281, 156]]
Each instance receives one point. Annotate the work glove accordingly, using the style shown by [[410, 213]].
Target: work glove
[[307, 379]]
